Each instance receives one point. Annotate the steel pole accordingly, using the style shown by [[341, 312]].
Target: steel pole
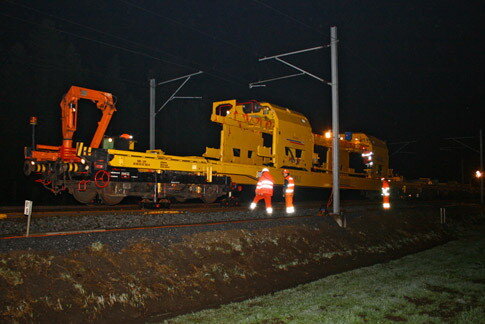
[[462, 171], [152, 114], [481, 167], [33, 136], [335, 123]]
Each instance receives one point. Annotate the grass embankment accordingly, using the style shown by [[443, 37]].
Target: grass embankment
[[147, 280], [446, 283]]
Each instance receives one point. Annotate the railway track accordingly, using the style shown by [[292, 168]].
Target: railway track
[[73, 211], [237, 221], [103, 220], [45, 211], [118, 230], [19, 209], [75, 229]]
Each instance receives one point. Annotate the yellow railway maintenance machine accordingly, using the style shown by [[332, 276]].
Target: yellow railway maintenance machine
[[254, 134]]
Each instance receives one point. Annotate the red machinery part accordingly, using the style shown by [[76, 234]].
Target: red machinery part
[[101, 179]]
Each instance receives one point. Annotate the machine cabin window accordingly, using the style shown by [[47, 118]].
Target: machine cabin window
[[251, 107], [222, 110]]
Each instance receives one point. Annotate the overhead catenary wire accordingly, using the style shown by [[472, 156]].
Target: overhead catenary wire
[[313, 29], [56, 67], [120, 38], [123, 48], [95, 29], [383, 111], [94, 40], [206, 71], [185, 25], [49, 65], [287, 16]]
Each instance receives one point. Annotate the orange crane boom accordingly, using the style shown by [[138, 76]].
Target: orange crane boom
[[69, 109]]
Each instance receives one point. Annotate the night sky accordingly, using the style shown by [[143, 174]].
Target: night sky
[[409, 71]]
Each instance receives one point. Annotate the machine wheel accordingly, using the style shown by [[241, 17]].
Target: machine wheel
[[110, 199], [209, 199], [84, 197], [180, 199], [27, 168], [230, 201]]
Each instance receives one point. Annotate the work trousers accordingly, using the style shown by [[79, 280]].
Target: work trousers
[[289, 200], [266, 197]]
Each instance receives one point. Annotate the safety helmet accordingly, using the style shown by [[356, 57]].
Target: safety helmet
[[265, 170]]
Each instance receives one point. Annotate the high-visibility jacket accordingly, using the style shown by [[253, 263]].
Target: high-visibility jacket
[[289, 188], [367, 156], [265, 184], [386, 193], [385, 188]]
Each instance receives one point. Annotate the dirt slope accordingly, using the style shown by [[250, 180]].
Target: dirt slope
[[148, 281]]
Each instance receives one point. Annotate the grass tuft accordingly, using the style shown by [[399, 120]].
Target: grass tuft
[[96, 246]]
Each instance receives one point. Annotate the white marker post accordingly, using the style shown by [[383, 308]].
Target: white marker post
[[28, 213]]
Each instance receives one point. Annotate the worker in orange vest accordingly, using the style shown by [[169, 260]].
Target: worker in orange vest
[[367, 156], [289, 191], [386, 193], [264, 190]]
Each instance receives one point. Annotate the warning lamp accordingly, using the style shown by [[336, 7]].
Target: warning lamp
[[33, 120], [126, 136], [110, 140], [328, 134], [478, 174]]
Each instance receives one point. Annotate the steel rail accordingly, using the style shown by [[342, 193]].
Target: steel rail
[[79, 232], [178, 210], [221, 222]]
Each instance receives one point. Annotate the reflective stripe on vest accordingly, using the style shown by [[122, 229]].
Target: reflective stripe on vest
[[265, 184], [385, 191], [290, 186]]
